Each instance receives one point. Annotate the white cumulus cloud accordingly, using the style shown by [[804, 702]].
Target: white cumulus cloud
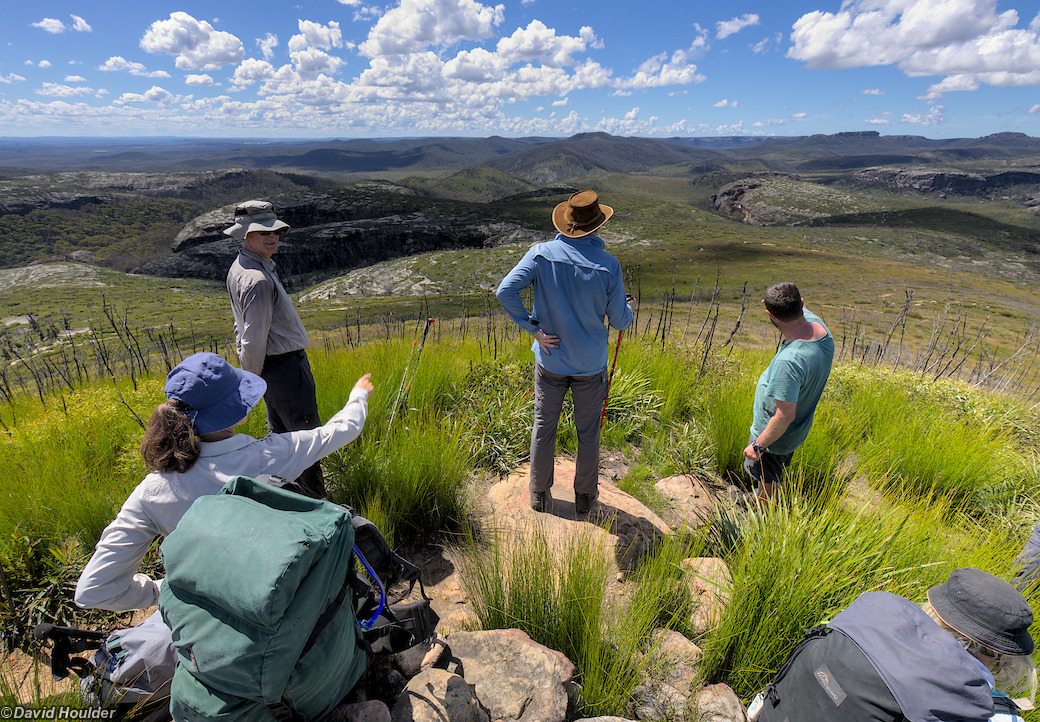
[[253, 71], [539, 42], [476, 66], [201, 80], [155, 94], [662, 70], [418, 24], [57, 90], [117, 63], [312, 62], [955, 38], [196, 43], [55, 26], [50, 25], [730, 27], [316, 35], [932, 117], [75, 79], [725, 103], [267, 44], [11, 78]]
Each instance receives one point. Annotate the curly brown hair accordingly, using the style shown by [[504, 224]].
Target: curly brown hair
[[169, 441]]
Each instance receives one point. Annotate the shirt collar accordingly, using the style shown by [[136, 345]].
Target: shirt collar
[[590, 240], [257, 257], [224, 446]]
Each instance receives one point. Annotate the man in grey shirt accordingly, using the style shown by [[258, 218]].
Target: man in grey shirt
[[269, 335]]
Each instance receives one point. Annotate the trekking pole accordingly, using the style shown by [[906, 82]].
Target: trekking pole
[[404, 376], [611, 377]]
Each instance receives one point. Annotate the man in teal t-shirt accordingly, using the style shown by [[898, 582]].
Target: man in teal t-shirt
[[789, 388]]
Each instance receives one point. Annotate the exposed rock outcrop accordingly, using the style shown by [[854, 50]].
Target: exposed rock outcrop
[[437, 695], [729, 198], [515, 678], [946, 181], [336, 231], [628, 531], [72, 191]]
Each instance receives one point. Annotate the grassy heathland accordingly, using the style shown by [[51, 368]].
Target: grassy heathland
[[923, 458]]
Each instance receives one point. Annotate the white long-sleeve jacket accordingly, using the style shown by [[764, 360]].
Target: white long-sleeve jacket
[[110, 579]]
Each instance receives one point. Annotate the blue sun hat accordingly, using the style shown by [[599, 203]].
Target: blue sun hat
[[219, 394]]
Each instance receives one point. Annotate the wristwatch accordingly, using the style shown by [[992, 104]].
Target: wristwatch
[[758, 449]]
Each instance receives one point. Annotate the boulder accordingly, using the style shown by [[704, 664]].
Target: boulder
[[436, 696], [692, 500], [710, 585], [718, 703], [671, 674], [514, 677], [675, 659], [622, 524]]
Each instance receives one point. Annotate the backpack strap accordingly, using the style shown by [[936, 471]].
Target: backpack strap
[[401, 626], [373, 547], [1006, 705], [770, 693], [68, 641]]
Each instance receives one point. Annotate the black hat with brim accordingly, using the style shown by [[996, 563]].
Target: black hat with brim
[[986, 609]]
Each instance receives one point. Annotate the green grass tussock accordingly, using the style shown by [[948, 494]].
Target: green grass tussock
[[557, 595], [803, 562], [901, 480]]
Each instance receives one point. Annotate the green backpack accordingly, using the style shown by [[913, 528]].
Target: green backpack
[[258, 598]]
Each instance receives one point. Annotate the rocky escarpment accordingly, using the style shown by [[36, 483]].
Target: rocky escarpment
[[73, 191], [339, 230], [729, 199], [947, 181]]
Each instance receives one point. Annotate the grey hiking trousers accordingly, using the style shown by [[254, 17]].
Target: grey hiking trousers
[[588, 394]]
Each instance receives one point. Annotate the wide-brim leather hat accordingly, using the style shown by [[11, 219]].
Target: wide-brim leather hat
[[219, 394], [254, 216], [986, 609], [581, 214]]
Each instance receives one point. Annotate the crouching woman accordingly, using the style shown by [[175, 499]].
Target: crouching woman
[[192, 449]]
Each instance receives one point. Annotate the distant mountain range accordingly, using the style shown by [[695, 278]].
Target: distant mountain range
[[539, 160], [127, 203]]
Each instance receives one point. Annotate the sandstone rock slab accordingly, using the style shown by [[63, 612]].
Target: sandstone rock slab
[[514, 677]]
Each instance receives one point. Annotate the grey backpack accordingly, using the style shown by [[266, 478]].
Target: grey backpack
[[129, 672]]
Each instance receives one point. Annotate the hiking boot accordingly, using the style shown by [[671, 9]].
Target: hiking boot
[[541, 500], [583, 503]]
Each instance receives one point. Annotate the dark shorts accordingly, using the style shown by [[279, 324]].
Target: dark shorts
[[772, 464]]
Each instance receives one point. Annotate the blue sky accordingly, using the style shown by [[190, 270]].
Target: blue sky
[[353, 68]]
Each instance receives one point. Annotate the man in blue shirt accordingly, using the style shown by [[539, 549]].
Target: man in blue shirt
[[576, 284], [789, 389]]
